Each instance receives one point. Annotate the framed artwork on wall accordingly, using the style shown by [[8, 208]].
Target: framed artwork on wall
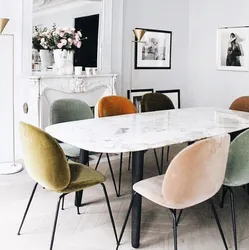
[[155, 50], [174, 95], [233, 48], [135, 95]]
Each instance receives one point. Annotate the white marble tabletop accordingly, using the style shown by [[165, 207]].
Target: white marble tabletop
[[143, 131]]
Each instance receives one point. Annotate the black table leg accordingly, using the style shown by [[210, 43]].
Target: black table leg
[[84, 159], [137, 175]]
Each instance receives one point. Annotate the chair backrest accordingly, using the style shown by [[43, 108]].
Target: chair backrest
[[44, 159], [241, 104], [115, 105], [155, 102], [237, 173], [65, 110], [196, 173]]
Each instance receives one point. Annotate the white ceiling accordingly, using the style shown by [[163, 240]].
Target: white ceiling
[[42, 4]]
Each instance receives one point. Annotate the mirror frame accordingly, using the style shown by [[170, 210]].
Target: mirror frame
[[106, 37]]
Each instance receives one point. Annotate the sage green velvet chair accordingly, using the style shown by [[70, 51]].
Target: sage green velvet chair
[[47, 165], [237, 172], [156, 102], [66, 110]]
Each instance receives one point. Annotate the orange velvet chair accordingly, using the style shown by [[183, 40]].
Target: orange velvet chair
[[112, 106], [239, 104]]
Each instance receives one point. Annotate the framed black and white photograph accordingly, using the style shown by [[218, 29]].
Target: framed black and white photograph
[[232, 48], [174, 96], [135, 95], [154, 52]]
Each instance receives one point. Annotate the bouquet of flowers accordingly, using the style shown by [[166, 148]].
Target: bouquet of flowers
[[43, 39], [56, 38], [67, 39]]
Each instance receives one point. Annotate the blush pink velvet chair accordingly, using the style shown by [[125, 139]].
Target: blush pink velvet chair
[[195, 175]]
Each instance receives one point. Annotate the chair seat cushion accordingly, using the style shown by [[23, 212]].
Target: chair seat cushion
[[70, 150], [82, 177], [151, 189]]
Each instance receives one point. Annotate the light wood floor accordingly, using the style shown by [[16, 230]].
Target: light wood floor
[[92, 229]]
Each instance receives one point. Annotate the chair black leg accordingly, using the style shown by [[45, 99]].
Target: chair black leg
[[224, 192], [168, 154], [98, 161], [55, 221], [129, 162], [62, 204], [78, 196], [179, 217], [173, 212], [110, 211], [113, 179], [126, 219], [162, 156], [120, 173], [233, 218], [218, 223], [27, 208], [157, 162]]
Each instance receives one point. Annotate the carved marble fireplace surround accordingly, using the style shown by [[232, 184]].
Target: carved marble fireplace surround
[[46, 88]]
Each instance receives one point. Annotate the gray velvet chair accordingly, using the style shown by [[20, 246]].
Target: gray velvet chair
[[65, 110]]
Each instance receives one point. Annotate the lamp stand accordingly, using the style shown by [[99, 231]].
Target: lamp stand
[[11, 167]]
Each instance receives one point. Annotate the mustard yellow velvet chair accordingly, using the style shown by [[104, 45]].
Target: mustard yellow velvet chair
[[156, 102], [112, 106], [195, 175], [47, 165]]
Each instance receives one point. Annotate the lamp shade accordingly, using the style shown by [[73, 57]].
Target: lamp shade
[[3, 23], [139, 33]]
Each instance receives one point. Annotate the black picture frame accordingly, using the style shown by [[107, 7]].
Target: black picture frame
[[165, 62], [174, 95], [135, 96]]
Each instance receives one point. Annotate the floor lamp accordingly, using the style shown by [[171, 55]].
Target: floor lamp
[[139, 33], [10, 167]]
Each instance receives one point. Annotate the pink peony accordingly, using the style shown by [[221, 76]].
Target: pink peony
[[59, 45], [64, 41], [79, 33], [78, 44], [70, 41]]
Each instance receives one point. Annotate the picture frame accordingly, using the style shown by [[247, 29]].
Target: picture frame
[[174, 95], [135, 95], [232, 48], [154, 51]]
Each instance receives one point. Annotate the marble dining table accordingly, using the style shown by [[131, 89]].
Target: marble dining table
[[139, 132]]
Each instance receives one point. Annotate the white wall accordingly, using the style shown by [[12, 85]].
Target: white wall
[[171, 15], [207, 85], [14, 26]]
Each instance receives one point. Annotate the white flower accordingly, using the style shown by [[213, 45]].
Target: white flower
[[79, 33]]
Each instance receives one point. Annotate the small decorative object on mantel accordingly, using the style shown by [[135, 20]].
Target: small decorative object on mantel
[[91, 71], [135, 95], [233, 48], [155, 51]]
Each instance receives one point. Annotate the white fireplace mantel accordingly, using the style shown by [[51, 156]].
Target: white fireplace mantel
[[45, 88]]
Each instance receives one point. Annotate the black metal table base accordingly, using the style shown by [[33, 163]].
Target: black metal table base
[[137, 175]]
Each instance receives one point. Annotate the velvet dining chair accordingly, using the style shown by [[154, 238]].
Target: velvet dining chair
[[155, 102], [195, 175], [113, 106], [66, 110], [237, 173], [47, 165]]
